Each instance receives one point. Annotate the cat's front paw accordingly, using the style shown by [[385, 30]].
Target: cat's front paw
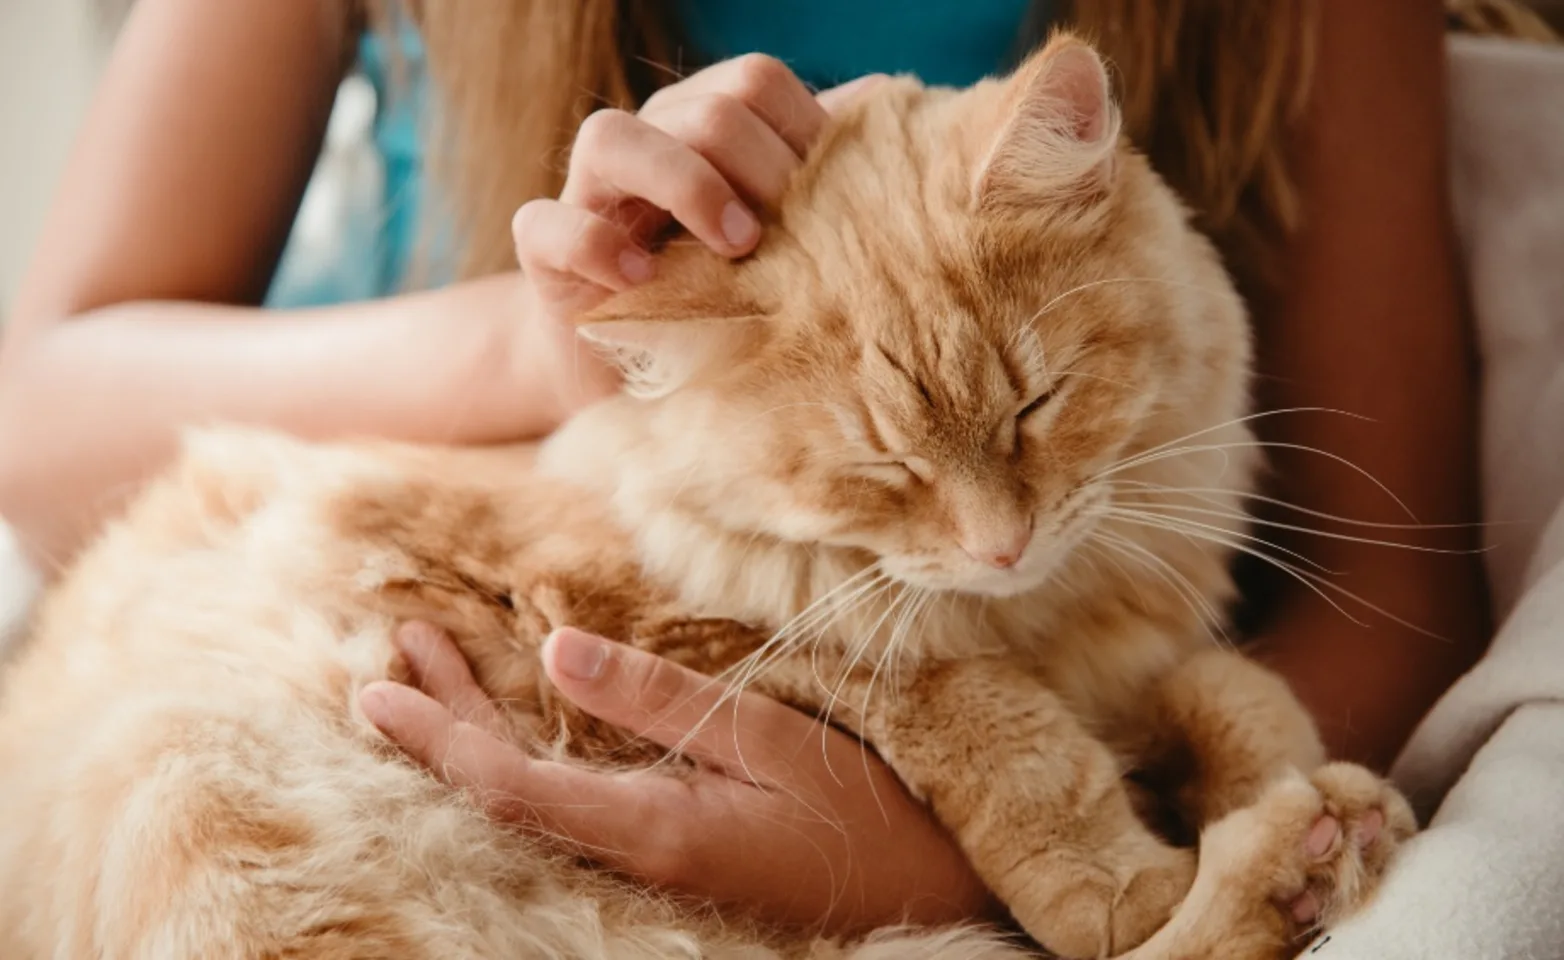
[[1363, 820], [1077, 907], [1307, 853]]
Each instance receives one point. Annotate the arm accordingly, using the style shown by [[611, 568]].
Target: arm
[[1374, 325], [138, 316], [91, 406]]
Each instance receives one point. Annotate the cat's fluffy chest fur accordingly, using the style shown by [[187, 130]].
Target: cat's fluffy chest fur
[[1138, 630]]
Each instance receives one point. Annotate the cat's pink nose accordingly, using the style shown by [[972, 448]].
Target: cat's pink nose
[[1001, 551]]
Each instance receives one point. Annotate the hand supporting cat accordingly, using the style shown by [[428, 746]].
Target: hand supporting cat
[[1280, 853], [831, 838]]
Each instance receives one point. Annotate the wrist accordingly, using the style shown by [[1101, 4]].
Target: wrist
[[488, 388]]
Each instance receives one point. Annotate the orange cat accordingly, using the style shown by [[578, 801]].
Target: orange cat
[[965, 439]]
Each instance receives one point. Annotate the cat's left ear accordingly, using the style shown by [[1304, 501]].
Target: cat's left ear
[[1058, 129]]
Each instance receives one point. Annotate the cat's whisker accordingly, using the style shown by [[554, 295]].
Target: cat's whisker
[[1250, 418], [1305, 577], [1296, 528], [1170, 575], [854, 656], [807, 625], [1145, 459], [892, 644], [1092, 549], [781, 643], [1207, 494], [1315, 582], [1081, 288], [1125, 513]]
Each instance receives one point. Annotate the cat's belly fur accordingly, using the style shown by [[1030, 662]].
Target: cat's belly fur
[[180, 747], [184, 773]]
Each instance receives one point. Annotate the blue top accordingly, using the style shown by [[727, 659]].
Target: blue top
[[826, 42]]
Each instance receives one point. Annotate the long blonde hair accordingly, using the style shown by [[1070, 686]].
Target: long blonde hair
[[1210, 89]]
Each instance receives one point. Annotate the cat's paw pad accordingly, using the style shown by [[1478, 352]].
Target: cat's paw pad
[[1343, 846]]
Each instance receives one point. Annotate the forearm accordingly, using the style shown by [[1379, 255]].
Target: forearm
[[1368, 685], [90, 406], [1373, 326]]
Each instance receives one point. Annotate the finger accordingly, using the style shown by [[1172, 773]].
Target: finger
[[748, 737], [440, 671], [558, 238], [767, 86], [632, 822], [839, 97], [744, 149], [618, 156]]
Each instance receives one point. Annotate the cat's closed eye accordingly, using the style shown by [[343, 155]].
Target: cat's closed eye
[[897, 470], [1037, 403]]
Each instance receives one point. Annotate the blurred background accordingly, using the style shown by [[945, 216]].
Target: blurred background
[[51, 52]]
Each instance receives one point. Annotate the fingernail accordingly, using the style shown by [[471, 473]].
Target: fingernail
[[739, 225], [636, 266], [375, 701], [577, 655]]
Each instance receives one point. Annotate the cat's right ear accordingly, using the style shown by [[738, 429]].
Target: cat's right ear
[[1058, 129], [657, 356], [694, 317]]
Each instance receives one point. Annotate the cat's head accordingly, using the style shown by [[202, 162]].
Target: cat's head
[[968, 307]]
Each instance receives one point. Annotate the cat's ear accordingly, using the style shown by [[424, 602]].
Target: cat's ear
[[1058, 129], [699, 314], [658, 355]]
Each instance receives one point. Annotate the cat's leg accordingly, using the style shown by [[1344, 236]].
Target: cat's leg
[[1038, 805], [1273, 852], [1321, 834], [1228, 727]]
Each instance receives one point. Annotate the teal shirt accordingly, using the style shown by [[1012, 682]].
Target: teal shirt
[[826, 42]]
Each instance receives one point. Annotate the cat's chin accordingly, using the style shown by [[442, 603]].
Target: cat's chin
[[982, 583]]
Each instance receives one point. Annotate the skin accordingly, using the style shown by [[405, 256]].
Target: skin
[[142, 297], [828, 834], [155, 254], [1378, 254]]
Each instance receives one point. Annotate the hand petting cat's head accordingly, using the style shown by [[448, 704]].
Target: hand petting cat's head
[[968, 313]]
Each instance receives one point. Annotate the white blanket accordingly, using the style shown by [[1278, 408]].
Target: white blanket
[[1486, 880]]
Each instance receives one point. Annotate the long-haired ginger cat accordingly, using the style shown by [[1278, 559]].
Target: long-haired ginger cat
[[960, 451]]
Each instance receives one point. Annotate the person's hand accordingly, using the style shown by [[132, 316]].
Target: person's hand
[[702, 152], [792, 820]]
